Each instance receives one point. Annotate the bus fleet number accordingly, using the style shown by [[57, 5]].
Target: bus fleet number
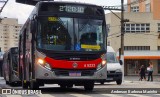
[[89, 65]]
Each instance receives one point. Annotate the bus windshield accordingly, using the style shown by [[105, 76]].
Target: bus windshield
[[74, 34]]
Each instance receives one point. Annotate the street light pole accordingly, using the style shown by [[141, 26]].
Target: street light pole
[[122, 38]]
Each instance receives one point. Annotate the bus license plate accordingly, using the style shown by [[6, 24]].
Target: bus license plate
[[74, 73]]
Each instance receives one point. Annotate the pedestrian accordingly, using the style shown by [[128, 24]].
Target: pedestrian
[[142, 73], [139, 70], [150, 71]]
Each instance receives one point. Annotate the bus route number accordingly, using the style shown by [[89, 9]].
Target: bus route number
[[89, 65], [72, 9]]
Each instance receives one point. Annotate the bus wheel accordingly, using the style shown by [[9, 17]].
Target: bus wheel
[[63, 86], [102, 82], [7, 82], [89, 86], [12, 83], [34, 85], [70, 86]]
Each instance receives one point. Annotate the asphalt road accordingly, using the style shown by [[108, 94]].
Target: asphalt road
[[129, 88]]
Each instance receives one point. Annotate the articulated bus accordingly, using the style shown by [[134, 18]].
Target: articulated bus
[[10, 66], [63, 43]]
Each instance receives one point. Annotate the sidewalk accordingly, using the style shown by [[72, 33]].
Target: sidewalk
[[134, 78]]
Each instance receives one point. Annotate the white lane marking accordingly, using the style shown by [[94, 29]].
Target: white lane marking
[[157, 94], [138, 95], [80, 95], [45, 95], [13, 95], [111, 95]]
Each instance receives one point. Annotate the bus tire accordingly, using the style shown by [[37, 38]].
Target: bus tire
[[70, 86], [89, 86], [102, 82], [7, 82], [34, 85], [63, 86], [119, 82], [12, 83]]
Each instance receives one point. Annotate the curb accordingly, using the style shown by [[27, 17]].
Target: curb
[[141, 81]]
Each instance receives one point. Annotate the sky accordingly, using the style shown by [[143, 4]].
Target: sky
[[22, 11]]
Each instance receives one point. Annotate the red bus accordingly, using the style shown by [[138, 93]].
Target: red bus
[[63, 43], [10, 67]]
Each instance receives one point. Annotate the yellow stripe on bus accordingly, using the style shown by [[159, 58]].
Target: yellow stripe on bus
[[90, 46]]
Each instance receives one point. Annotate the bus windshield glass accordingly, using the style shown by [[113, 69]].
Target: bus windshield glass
[[73, 34]]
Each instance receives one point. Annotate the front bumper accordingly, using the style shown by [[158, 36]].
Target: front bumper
[[54, 75], [113, 76]]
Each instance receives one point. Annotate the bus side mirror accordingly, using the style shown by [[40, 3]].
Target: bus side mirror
[[120, 62]]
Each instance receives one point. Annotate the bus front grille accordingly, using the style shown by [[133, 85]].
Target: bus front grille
[[74, 72]]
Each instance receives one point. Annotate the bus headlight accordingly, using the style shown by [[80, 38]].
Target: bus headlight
[[103, 63], [44, 64], [40, 61]]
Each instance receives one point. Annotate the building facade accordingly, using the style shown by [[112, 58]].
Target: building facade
[[142, 35], [9, 32]]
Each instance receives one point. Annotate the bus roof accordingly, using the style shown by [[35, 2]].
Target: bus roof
[[68, 2], [34, 2]]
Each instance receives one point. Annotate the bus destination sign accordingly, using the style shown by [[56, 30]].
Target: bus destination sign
[[71, 9]]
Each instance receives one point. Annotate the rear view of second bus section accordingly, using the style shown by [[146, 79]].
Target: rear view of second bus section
[[10, 66], [114, 68]]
